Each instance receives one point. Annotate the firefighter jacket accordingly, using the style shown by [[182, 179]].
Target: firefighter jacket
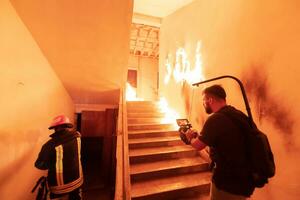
[[61, 156]]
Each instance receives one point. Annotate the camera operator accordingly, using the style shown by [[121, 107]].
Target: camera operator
[[231, 178]]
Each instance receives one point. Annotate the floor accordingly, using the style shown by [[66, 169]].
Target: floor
[[97, 194], [94, 186]]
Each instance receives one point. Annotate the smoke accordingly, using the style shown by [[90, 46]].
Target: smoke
[[285, 183], [279, 122], [267, 106]]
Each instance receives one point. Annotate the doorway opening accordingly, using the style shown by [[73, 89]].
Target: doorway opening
[[97, 130]]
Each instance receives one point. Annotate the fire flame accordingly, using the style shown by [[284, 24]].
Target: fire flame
[[131, 93], [182, 71], [170, 114]]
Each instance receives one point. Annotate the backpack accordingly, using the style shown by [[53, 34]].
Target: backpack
[[260, 156], [258, 152]]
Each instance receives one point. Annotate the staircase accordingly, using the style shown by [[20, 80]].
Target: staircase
[[161, 165]]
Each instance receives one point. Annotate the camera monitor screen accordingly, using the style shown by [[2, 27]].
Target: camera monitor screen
[[182, 122]]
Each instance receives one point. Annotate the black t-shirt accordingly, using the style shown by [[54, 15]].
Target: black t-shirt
[[227, 150]]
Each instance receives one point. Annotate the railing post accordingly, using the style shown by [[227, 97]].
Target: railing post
[[122, 187]]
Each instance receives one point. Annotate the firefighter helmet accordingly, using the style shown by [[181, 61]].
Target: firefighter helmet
[[61, 120]]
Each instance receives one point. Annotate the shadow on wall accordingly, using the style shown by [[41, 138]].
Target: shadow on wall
[[266, 106], [186, 94]]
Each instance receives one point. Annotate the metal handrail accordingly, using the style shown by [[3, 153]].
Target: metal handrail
[[127, 185]]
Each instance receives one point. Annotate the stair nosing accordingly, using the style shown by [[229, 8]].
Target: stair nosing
[[153, 139], [163, 150], [198, 161], [150, 124], [202, 181], [150, 131]]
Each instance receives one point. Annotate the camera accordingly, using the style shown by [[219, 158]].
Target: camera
[[184, 125]]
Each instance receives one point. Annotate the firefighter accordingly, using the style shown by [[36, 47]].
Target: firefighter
[[61, 157]]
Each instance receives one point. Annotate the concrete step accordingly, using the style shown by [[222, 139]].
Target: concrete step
[[169, 167], [141, 103], [171, 187], [150, 107], [145, 120], [151, 114], [196, 196], [152, 133], [151, 154], [154, 141], [132, 127]]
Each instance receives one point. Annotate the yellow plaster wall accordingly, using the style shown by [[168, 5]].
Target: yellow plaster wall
[[258, 42], [31, 95]]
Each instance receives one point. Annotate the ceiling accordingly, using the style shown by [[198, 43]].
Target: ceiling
[[85, 42], [158, 8], [144, 40], [144, 37]]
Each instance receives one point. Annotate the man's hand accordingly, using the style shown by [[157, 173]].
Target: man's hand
[[187, 136], [191, 134]]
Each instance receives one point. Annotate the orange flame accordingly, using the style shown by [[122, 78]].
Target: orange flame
[[131, 93], [170, 114], [182, 71]]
